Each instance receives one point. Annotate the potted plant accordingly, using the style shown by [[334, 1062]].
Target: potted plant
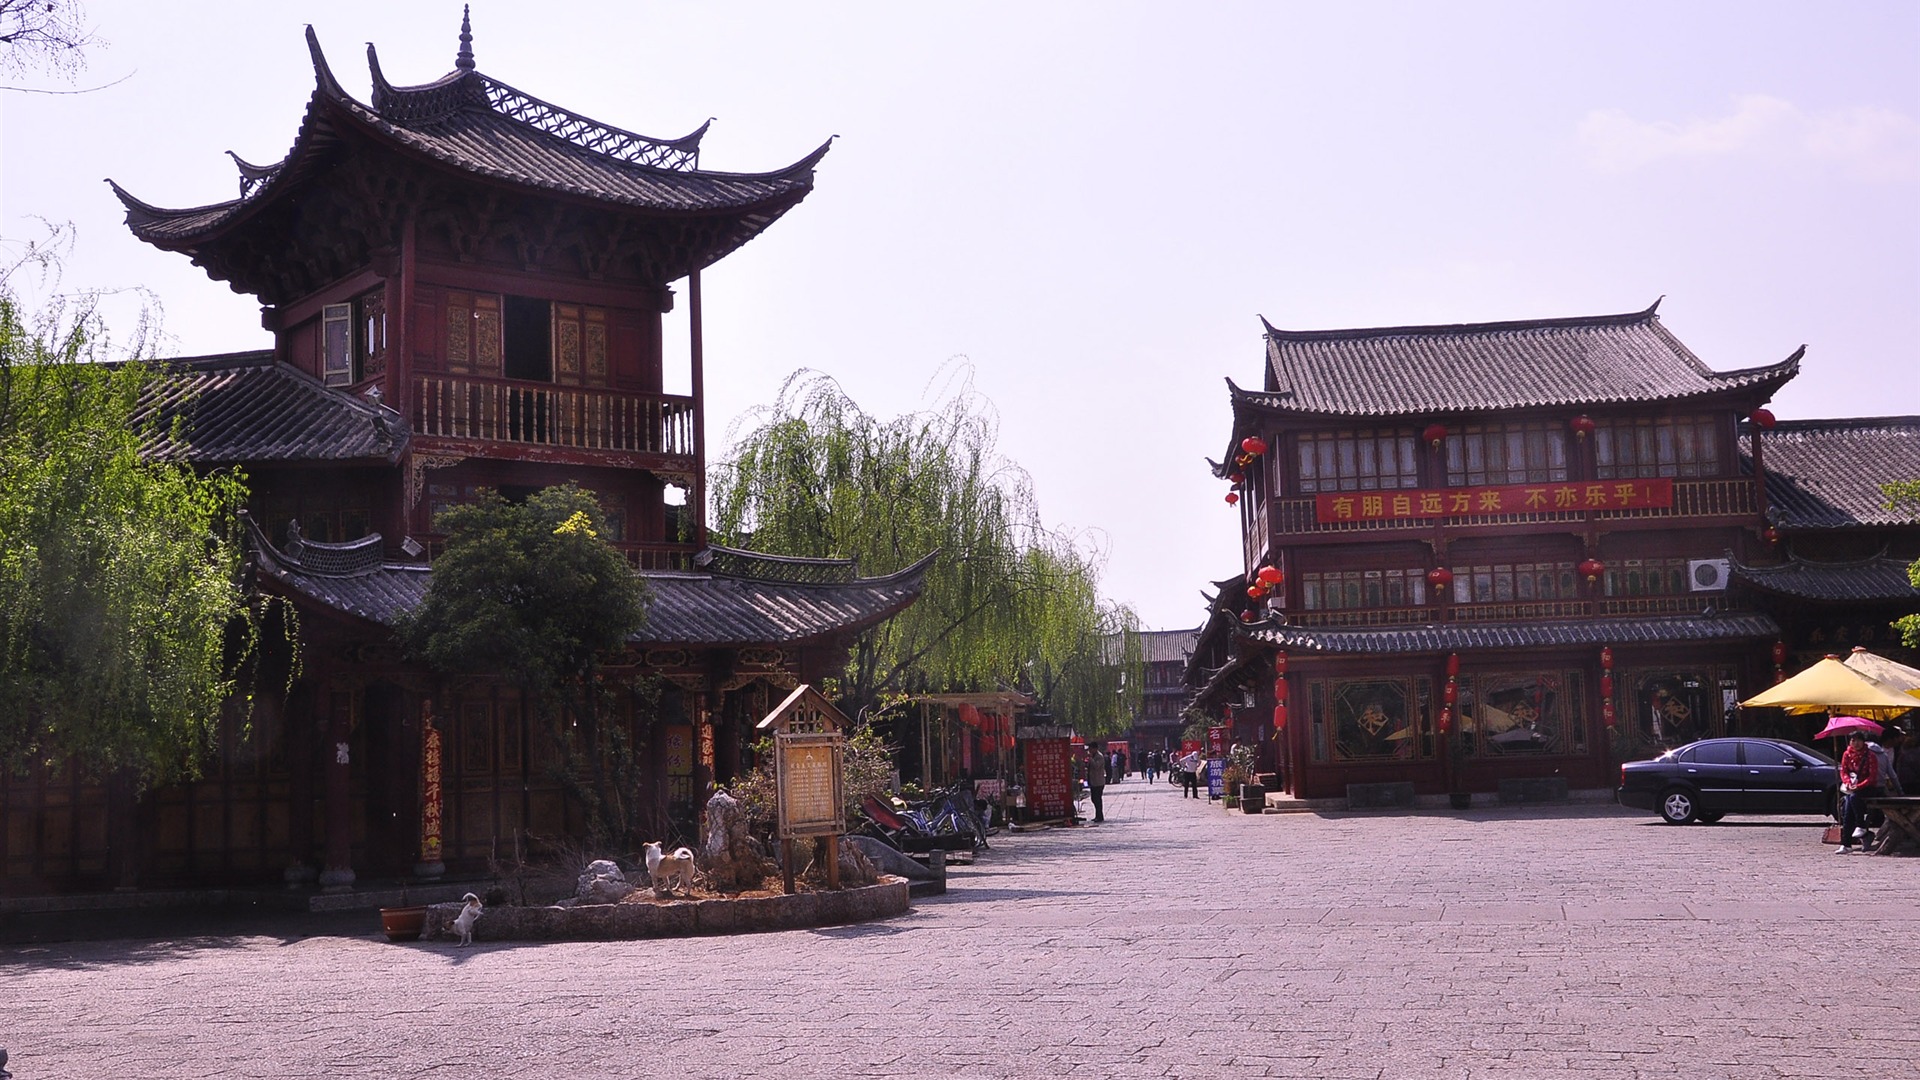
[[403, 923], [1252, 794]]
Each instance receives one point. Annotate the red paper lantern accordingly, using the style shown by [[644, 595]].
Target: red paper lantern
[[1773, 535], [1450, 693], [1246, 616], [1779, 653], [1255, 592], [1280, 717], [1762, 419], [1606, 658], [1235, 478], [1446, 721], [1440, 577], [1606, 687], [1279, 663], [1254, 445], [1453, 664], [1271, 577], [1591, 569], [1606, 714], [1232, 497], [1582, 426], [1435, 434]]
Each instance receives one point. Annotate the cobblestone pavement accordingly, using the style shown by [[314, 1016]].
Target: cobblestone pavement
[[1177, 940]]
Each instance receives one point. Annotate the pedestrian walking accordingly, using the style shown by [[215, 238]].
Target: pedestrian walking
[[1097, 783], [1153, 764]]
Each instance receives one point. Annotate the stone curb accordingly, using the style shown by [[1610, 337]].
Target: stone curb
[[676, 918]]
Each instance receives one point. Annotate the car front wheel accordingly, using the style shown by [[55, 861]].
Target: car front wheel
[[1679, 806]]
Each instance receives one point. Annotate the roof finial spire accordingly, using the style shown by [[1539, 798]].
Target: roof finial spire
[[464, 61]]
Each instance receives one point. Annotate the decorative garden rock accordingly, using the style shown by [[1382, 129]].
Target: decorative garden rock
[[602, 883], [731, 857], [889, 861]]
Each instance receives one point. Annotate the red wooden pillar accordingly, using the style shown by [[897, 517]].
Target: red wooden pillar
[[301, 727], [696, 340], [336, 758]]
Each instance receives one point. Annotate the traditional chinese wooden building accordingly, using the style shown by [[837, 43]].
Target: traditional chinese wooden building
[[1522, 551], [1164, 655], [1836, 573], [465, 287]]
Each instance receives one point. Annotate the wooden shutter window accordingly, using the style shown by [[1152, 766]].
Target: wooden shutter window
[[336, 341]]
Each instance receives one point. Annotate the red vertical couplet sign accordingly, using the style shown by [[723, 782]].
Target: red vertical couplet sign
[[430, 797], [1049, 779], [1216, 742]]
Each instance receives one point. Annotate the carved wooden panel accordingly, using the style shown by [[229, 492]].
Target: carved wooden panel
[[566, 343], [596, 346], [486, 335], [460, 332]]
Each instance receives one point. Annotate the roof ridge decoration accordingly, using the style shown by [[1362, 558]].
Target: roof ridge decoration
[[467, 88], [1625, 318], [463, 60]]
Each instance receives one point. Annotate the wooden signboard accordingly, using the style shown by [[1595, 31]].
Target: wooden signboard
[[809, 749]]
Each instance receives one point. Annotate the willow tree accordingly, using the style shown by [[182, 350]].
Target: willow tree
[[123, 622], [1008, 603]]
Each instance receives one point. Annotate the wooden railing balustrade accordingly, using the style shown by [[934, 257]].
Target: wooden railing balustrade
[[509, 411]]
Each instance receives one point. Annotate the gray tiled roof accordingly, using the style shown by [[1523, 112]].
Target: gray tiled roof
[[1876, 580], [478, 125], [1477, 367], [687, 608], [1167, 646], [1457, 637], [241, 407], [1827, 474]]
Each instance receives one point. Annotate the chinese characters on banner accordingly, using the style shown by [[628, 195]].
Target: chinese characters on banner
[[430, 798], [1506, 499], [1216, 742], [1049, 780]]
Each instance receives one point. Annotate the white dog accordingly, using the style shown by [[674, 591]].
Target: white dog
[[669, 872], [469, 915]]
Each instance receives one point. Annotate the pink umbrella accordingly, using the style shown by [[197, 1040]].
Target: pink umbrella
[[1847, 725]]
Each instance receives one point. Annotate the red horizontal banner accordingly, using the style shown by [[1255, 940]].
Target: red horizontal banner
[[1506, 499]]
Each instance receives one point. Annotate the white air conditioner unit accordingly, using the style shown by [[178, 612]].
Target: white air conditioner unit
[[1708, 575]]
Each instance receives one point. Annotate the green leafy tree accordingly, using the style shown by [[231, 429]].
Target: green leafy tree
[[529, 591], [1905, 495], [1007, 603], [123, 623]]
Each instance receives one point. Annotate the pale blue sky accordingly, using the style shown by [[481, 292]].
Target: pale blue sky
[[1094, 202]]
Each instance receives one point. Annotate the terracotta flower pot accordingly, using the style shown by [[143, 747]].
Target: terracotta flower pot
[[403, 923]]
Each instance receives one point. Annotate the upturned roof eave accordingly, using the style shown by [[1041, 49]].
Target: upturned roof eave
[[312, 140]]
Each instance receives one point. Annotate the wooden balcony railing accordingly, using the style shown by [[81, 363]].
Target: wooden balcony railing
[[1732, 497], [503, 410]]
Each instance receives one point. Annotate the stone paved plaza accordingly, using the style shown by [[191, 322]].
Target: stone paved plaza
[[1177, 940]]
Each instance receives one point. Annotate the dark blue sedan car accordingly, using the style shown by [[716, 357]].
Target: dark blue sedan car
[[1709, 779]]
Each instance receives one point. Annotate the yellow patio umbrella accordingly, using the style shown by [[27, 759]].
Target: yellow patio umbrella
[[1894, 674], [1831, 686]]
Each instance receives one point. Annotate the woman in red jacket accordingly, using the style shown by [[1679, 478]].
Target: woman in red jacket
[[1859, 781]]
